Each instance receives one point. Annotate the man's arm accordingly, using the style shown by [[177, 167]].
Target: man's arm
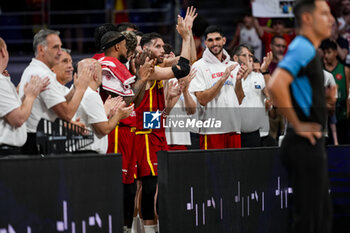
[[347, 75], [18, 116], [265, 67], [172, 95], [66, 110], [119, 112], [142, 74], [190, 104], [278, 88], [165, 73], [204, 97], [258, 28], [189, 18]]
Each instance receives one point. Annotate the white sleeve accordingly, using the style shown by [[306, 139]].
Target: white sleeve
[[94, 108], [9, 100], [198, 83], [234, 74], [53, 95]]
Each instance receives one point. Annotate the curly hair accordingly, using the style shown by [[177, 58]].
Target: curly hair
[[131, 41]]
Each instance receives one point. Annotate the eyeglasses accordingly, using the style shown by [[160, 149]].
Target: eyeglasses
[[246, 55], [280, 46]]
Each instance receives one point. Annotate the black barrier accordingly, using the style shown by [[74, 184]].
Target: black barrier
[[239, 190], [339, 172], [61, 137], [223, 191], [61, 194]]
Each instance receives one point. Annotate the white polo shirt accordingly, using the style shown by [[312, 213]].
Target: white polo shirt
[[253, 113], [90, 111], [46, 99], [9, 101], [224, 107]]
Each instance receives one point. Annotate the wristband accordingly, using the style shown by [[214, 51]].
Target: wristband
[[266, 72]]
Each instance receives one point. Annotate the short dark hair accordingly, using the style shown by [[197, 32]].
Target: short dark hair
[[300, 7], [123, 26], [256, 60], [138, 33], [148, 37], [213, 29], [277, 37], [238, 49], [168, 48], [276, 21], [109, 37], [100, 31], [328, 44]]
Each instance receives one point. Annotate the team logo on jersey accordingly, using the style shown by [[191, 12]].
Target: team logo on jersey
[[338, 76], [151, 120]]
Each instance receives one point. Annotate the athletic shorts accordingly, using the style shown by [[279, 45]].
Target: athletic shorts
[[220, 141], [177, 147], [146, 147], [123, 144]]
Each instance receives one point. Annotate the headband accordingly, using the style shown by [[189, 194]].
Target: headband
[[112, 43]]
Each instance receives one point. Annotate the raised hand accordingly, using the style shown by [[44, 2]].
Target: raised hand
[[145, 70], [109, 104], [185, 82], [121, 110], [140, 58], [266, 62], [85, 74], [242, 72], [35, 86], [174, 90], [228, 71], [182, 28], [190, 17]]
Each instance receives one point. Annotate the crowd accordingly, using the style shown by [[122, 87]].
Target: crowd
[[133, 75]]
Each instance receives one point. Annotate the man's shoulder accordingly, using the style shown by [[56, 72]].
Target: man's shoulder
[[199, 63], [302, 48], [35, 68]]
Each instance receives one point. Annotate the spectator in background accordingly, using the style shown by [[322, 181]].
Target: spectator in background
[[246, 34], [277, 28], [278, 47], [14, 112], [331, 93], [126, 26], [277, 121], [342, 44], [265, 137], [341, 74]]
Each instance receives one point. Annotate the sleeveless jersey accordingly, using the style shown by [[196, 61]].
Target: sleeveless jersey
[[153, 101], [340, 80]]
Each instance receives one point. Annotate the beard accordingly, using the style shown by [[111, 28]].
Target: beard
[[160, 60], [216, 52], [123, 59]]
